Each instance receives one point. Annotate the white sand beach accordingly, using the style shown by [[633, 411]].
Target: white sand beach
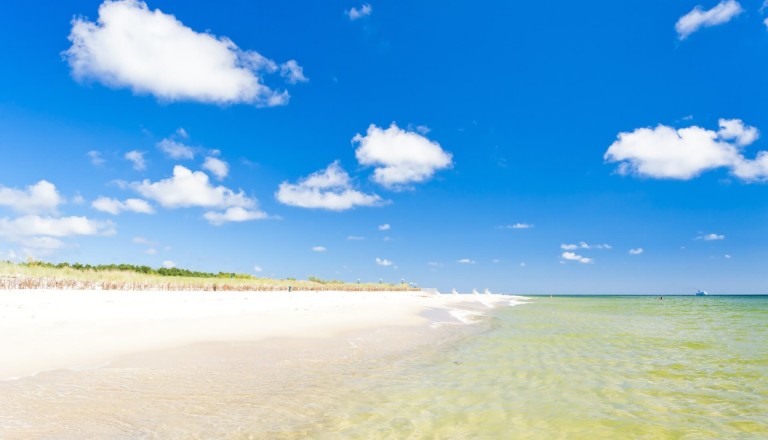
[[177, 365], [43, 330]]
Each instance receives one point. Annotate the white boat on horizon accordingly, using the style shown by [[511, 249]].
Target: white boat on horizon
[[701, 293]]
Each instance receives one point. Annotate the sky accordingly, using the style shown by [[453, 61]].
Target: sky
[[524, 147]]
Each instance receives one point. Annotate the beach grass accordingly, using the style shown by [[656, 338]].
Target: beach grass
[[37, 275]]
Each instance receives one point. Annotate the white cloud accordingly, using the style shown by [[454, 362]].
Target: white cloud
[[355, 238], [31, 225], [40, 198], [400, 157], [699, 18], [330, 189], [519, 226], [363, 11], [176, 150], [385, 227], [182, 132], [434, 264], [584, 245], [95, 157], [187, 188], [319, 248], [667, 153], [727, 256], [292, 72], [168, 264], [115, 207], [495, 260], [137, 158], [571, 256], [217, 167], [734, 129], [258, 269], [151, 251], [423, 129], [142, 240], [193, 189], [711, 237], [466, 261], [152, 52], [636, 251], [234, 214], [383, 262]]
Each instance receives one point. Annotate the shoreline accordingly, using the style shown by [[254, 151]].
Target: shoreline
[[45, 330]]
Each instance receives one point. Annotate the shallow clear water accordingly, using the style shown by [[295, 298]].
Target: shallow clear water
[[567, 367], [586, 367]]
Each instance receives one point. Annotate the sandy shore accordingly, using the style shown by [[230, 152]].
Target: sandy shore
[[46, 330]]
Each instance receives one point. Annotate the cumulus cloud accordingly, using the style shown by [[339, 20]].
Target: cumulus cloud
[[40, 198], [330, 189], [636, 251], [383, 262], [193, 189], [667, 153], [234, 214], [95, 158], [187, 189], [152, 52], [400, 157], [584, 245], [735, 130], [319, 249], [711, 237], [257, 269], [38, 234], [217, 167], [571, 256], [355, 238], [385, 227], [357, 13], [137, 159], [143, 240], [466, 261], [31, 225], [176, 150], [699, 18], [115, 207], [168, 264], [519, 226], [292, 72]]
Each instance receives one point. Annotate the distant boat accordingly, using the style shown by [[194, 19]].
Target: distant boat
[[701, 293]]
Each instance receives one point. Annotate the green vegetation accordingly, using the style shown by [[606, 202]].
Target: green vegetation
[[44, 275], [163, 271]]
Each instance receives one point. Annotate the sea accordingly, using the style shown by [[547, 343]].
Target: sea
[[586, 367]]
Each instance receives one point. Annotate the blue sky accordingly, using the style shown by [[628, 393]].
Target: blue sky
[[592, 147]]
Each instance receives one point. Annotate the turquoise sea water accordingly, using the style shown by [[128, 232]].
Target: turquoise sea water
[[578, 368]]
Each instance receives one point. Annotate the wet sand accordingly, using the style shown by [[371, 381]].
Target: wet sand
[[253, 384]]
